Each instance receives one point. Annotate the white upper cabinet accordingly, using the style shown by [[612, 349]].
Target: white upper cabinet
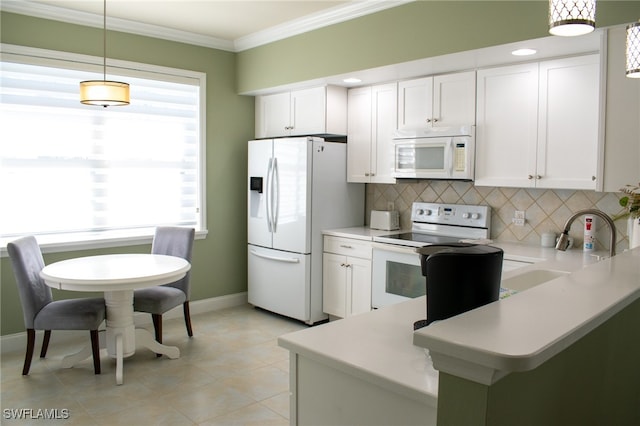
[[507, 126], [315, 111], [273, 117], [538, 124], [372, 115], [443, 100], [622, 126], [568, 123]]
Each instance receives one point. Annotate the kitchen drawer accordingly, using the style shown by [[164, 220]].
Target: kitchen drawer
[[348, 247]]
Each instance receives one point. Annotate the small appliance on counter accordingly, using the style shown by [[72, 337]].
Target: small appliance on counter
[[460, 277], [384, 220]]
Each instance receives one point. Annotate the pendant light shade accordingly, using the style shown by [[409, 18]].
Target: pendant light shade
[[104, 92], [572, 17], [633, 50]]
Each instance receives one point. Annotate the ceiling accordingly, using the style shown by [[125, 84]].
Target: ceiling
[[233, 25]]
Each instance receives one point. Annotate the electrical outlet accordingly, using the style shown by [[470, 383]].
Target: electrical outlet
[[518, 218], [390, 205]]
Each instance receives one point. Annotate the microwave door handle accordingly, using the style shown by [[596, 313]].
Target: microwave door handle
[[448, 157]]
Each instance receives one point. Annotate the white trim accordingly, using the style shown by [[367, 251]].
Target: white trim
[[92, 241], [17, 342], [307, 23], [39, 10], [315, 21], [38, 55]]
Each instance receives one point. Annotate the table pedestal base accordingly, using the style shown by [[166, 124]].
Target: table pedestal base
[[121, 335]]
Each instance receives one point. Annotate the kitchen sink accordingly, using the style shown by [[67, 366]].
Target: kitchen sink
[[526, 280]]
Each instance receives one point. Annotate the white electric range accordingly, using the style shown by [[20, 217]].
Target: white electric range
[[396, 272]]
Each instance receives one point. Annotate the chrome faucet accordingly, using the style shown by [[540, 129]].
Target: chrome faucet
[[563, 241]]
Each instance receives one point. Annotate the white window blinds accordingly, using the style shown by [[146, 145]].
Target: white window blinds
[[68, 168]]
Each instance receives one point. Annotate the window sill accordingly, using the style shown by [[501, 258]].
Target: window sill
[[92, 240]]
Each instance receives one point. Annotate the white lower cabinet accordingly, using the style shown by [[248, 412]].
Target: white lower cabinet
[[346, 276]]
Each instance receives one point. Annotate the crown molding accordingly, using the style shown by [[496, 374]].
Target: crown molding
[[297, 26], [315, 21], [39, 10]]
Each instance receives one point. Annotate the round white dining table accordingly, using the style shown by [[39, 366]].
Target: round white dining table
[[117, 275]]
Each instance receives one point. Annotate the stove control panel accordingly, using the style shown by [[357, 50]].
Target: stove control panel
[[451, 214]]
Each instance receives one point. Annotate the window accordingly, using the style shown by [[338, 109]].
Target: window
[[71, 172]]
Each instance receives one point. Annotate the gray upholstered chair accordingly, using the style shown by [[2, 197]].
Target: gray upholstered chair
[[172, 241], [41, 312]]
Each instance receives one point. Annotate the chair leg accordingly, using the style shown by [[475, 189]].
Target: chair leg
[[31, 341], [157, 325], [45, 343], [187, 318], [95, 348]]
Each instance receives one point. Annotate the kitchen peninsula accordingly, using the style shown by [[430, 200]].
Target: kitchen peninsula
[[562, 352]]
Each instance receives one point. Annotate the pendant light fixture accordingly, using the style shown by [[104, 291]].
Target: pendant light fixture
[[104, 92], [633, 50], [572, 17]]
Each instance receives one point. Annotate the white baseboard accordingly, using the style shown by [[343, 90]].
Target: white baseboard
[[18, 341]]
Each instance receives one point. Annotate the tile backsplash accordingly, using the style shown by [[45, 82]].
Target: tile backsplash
[[546, 210]]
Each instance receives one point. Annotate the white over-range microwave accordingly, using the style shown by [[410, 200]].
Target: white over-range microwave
[[435, 153]]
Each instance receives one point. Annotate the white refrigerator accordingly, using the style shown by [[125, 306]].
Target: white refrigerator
[[297, 188]]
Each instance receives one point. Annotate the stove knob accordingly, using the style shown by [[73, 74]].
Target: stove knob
[[427, 212], [419, 212], [475, 216], [465, 215]]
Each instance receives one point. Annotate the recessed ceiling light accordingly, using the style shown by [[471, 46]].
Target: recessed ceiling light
[[352, 80], [524, 52]]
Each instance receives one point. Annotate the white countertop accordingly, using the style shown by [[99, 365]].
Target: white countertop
[[523, 331], [376, 347], [517, 333]]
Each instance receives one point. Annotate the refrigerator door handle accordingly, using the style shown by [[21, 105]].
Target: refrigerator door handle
[[275, 210], [269, 194], [276, 258]]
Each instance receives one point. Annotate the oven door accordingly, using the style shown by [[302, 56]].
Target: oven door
[[396, 275]]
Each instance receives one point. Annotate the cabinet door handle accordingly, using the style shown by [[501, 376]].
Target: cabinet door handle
[[435, 120], [366, 174], [593, 178], [530, 177], [428, 120], [345, 246], [538, 177]]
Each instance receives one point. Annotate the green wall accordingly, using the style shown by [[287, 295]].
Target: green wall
[[417, 30], [593, 382], [412, 31], [219, 261]]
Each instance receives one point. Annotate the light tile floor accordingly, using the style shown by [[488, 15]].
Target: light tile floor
[[232, 372]]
